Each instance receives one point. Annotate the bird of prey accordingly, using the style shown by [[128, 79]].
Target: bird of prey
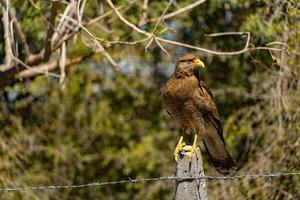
[[190, 102]]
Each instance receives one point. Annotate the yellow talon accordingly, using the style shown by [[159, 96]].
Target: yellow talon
[[192, 149], [178, 148]]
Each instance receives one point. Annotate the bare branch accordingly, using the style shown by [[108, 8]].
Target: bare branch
[[95, 43], [37, 70], [226, 33], [219, 53], [149, 43], [233, 33], [80, 9], [66, 13], [85, 30], [50, 66], [100, 48], [20, 34], [162, 15], [177, 12], [134, 27], [12, 38], [63, 26], [25, 71], [50, 32], [144, 13], [290, 49], [107, 55], [71, 22], [156, 25], [162, 48], [7, 36], [34, 59], [92, 21], [245, 49], [62, 63]]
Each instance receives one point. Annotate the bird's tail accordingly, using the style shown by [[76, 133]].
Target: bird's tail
[[219, 155]]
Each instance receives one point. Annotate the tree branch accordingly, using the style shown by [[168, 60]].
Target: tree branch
[[50, 66], [106, 55], [7, 36], [219, 53], [144, 13], [177, 12], [134, 27], [25, 71], [24, 66], [69, 25], [246, 48], [161, 18], [20, 34], [62, 63], [50, 32], [92, 21]]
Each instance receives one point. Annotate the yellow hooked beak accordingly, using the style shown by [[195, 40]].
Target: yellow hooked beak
[[199, 63]]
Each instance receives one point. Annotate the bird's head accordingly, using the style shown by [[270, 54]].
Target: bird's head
[[188, 65]]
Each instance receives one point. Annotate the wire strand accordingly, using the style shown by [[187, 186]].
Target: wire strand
[[164, 178]]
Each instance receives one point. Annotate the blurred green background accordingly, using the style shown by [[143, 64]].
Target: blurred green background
[[106, 125]]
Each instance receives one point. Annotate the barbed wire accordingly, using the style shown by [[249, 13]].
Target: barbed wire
[[165, 178]]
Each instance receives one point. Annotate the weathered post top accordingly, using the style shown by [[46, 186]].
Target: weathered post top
[[190, 189]]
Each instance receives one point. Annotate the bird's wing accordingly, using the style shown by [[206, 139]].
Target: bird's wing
[[164, 96], [205, 102], [214, 113], [213, 135]]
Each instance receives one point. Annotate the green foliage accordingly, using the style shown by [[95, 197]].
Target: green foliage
[[93, 129]]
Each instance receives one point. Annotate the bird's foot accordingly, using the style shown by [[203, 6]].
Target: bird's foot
[[192, 149], [178, 148]]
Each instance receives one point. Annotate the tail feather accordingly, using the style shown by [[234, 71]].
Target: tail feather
[[219, 155], [224, 165]]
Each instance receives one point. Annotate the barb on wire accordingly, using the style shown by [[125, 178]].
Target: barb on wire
[[164, 178]]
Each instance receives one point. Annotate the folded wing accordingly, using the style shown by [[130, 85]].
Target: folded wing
[[213, 136]]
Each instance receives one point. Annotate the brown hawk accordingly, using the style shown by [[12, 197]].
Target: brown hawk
[[190, 102]]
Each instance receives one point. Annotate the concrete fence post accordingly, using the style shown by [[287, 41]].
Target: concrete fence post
[[190, 189]]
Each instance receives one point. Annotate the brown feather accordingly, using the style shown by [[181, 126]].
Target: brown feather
[[191, 103]]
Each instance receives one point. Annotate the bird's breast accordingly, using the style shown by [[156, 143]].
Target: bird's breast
[[181, 89], [177, 99]]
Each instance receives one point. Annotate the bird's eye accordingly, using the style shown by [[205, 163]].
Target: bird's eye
[[187, 61]]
